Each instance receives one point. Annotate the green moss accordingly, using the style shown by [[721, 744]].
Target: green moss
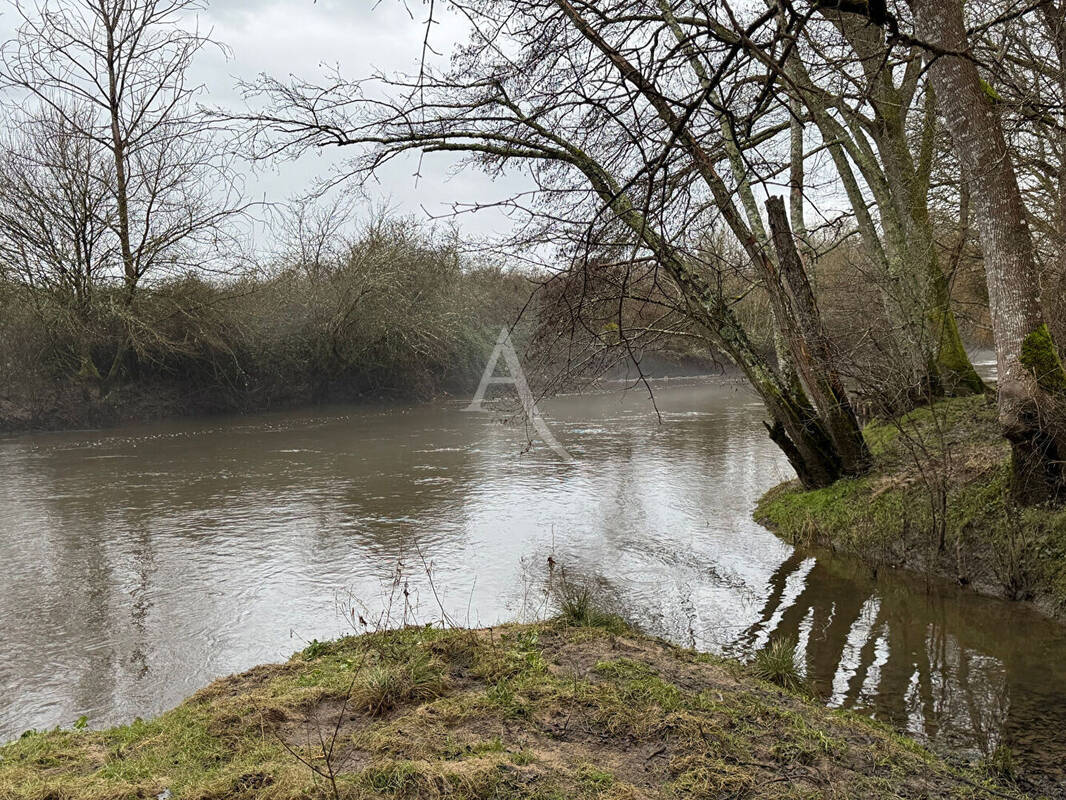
[[1040, 357], [990, 92], [845, 514], [180, 751], [956, 371], [965, 420]]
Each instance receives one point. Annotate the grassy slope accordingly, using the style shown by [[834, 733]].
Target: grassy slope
[[952, 451], [549, 711]]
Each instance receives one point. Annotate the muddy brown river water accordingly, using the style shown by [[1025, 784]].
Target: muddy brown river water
[[137, 564]]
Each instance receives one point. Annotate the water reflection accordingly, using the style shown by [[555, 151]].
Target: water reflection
[[961, 672], [140, 563]]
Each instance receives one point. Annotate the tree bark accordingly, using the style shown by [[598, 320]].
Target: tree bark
[[797, 176], [1031, 379], [118, 149], [811, 350]]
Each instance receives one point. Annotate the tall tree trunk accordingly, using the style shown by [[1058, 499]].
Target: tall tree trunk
[[1031, 377], [118, 150], [122, 206], [811, 350], [1053, 15], [797, 177]]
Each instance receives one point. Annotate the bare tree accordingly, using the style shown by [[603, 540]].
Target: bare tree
[[55, 241], [54, 213], [111, 77], [115, 72], [878, 120], [859, 90], [314, 232], [625, 134], [1031, 377]]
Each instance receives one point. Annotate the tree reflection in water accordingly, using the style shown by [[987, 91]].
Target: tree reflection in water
[[943, 665]]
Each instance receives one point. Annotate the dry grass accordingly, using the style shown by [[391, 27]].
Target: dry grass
[[537, 712]]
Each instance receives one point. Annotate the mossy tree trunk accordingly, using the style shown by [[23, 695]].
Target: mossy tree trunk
[[900, 244], [1031, 379]]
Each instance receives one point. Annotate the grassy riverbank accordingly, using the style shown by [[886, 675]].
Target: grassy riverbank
[[585, 708], [936, 502]]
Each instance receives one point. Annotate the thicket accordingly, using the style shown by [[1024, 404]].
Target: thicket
[[396, 311]]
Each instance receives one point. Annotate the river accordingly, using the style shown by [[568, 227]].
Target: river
[[137, 564]]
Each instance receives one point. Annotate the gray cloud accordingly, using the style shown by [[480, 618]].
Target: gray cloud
[[304, 38]]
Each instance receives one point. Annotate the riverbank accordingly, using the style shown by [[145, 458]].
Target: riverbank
[[70, 404], [397, 312], [578, 707], [936, 503]]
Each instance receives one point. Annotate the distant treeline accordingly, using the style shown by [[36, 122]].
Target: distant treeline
[[395, 312]]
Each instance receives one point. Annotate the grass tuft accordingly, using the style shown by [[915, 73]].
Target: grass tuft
[[384, 686], [580, 606], [776, 664], [999, 764]]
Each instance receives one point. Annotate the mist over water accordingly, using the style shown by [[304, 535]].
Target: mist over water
[[140, 563]]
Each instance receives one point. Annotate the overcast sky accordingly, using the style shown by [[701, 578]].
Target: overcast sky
[[359, 37], [303, 38]]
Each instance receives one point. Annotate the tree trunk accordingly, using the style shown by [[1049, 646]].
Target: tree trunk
[[797, 177], [811, 350], [122, 206], [1031, 378], [795, 425], [1053, 15], [118, 150]]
